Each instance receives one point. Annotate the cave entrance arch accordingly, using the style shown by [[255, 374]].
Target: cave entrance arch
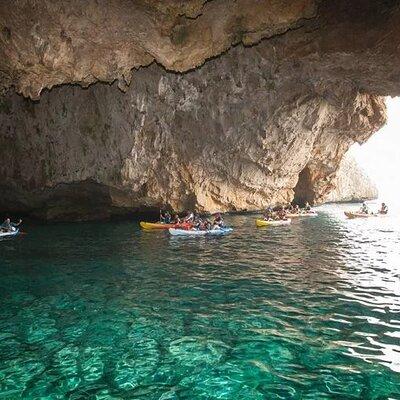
[[379, 157], [303, 191]]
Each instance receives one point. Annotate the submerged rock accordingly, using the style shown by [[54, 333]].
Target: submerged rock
[[238, 126]]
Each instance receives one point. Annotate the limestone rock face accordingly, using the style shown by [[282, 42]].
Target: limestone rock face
[[51, 42], [266, 98], [352, 183]]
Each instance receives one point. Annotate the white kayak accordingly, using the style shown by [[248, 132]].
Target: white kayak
[[5, 235], [300, 215], [194, 232]]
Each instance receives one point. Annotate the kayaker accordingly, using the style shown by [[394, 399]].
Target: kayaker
[[162, 217], [189, 217], [176, 219], [218, 220], [364, 209], [8, 226], [296, 209], [289, 207], [198, 223], [268, 215], [384, 209], [281, 215], [307, 207]]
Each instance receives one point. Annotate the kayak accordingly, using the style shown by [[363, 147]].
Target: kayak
[[353, 215], [5, 235], [263, 222], [193, 232], [159, 225], [308, 214]]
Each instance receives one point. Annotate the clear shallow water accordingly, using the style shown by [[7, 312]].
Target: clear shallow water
[[106, 311]]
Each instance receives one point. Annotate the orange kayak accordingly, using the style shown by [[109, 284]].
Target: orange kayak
[[353, 215]]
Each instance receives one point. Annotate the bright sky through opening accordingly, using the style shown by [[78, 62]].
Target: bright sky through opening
[[380, 156]]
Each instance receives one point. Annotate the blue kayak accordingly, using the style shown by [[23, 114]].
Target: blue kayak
[[194, 232]]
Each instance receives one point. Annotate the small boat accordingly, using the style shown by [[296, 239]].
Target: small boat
[[159, 225], [353, 215], [306, 214], [7, 235], [194, 232], [263, 222]]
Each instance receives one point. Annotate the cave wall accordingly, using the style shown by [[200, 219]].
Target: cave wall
[[352, 183], [232, 134]]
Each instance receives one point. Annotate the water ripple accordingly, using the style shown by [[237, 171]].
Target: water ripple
[[106, 311]]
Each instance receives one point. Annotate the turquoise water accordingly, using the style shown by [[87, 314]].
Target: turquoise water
[[106, 311]]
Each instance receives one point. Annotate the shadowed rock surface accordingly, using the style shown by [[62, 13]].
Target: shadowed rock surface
[[253, 125]]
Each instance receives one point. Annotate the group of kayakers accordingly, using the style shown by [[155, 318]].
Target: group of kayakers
[[283, 213], [193, 220], [365, 210]]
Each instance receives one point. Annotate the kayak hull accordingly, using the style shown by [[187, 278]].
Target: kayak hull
[[191, 232], [158, 225], [262, 222], [301, 215], [353, 215], [7, 235]]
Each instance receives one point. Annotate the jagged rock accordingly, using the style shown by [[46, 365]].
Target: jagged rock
[[352, 183], [251, 126], [51, 42]]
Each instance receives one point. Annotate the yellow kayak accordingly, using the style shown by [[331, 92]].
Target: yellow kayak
[[262, 222], [159, 225]]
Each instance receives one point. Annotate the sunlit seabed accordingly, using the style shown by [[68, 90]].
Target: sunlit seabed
[[106, 311]]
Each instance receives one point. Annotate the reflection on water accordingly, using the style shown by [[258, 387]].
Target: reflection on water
[[104, 310]]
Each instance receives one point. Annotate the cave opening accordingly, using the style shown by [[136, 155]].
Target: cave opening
[[303, 192], [379, 157]]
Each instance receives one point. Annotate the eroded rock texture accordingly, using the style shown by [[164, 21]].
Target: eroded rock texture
[[352, 183], [48, 43], [253, 125]]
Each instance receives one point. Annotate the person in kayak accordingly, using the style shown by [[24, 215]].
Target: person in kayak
[[364, 209], [176, 219], [307, 207], [189, 217], [281, 215], [165, 217], [269, 214], [384, 209], [289, 207], [8, 226], [198, 223], [162, 217], [218, 221]]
